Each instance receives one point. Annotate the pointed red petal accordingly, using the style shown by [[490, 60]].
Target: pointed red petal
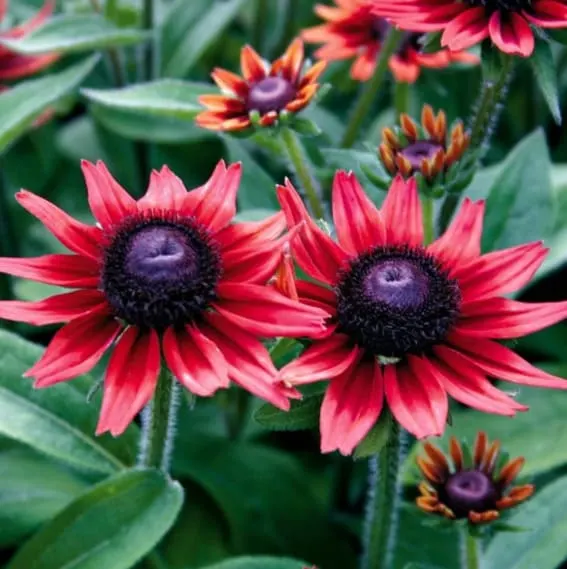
[[252, 65], [511, 34], [166, 191], [241, 235]]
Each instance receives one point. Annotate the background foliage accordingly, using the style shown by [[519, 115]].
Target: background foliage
[[69, 499]]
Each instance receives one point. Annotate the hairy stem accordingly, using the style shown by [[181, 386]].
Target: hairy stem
[[370, 91], [384, 502], [158, 430], [301, 167], [401, 97]]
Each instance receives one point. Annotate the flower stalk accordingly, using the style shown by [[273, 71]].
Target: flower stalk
[[384, 501], [158, 430], [470, 550], [300, 166], [372, 87], [428, 214], [401, 97]]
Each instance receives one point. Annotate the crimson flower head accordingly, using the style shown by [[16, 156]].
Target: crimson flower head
[[476, 488], [166, 277], [14, 65], [268, 90], [465, 23], [409, 324], [351, 30]]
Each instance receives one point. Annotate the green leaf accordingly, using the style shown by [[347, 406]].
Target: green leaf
[[544, 546], [111, 526], [198, 38], [22, 104], [33, 490], [165, 98], [56, 421], [545, 73], [74, 33], [305, 126], [303, 414], [259, 563], [375, 440], [519, 205]]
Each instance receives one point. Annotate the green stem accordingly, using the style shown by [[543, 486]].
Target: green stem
[[158, 427], [300, 165], [364, 103], [428, 229], [401, 97], [470, 551], [260, 24], [384, 502]]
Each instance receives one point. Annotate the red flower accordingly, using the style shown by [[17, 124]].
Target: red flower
[[407, 322], [353, 31], [467, 23], [14, 65], [270, 90], [166, 274]]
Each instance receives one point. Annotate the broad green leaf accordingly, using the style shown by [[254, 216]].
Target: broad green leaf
[[21, 105], [543, 545], [73, 33], [545, 73], [519, 206], [32, 491], [259, 563], [303, 414], [165, 98], [290, 520], [200, 36], [56, 421], [112, 526]]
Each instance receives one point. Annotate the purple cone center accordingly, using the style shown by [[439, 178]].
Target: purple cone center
[[470, 490], [420, 150], [161, 254], [270, 94], [398, 283]]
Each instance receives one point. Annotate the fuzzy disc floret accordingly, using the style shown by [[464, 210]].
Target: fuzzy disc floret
[[158, 273], [394, 301]]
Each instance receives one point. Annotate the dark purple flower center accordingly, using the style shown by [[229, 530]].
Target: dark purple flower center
[[160, 273], [394, 301], [469, 491], [503, 5], [379, 29], [270, 94], [420, 150]]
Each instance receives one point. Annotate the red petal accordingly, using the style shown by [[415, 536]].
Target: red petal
[[467, 29], [15, 66], [130, 380], [230, 82], [499, 272], [316, 295], [108, 200], [63, 270], [60, 308], [76, 348], [166, 191], [252, 65], [417, 400], [461, 242], [511, 34], [547, 14], [325, 359], [29, 25], [195, 361], [364, 65], [402, 70], [359, 224], [265, 312], [214, 203], [351, 407], [401, 212], [76, 236], [316, 253], [502, 363], [240, 235], [292, 60], [249, 363], [467, 384]]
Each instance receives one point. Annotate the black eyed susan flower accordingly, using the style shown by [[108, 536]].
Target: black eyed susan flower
[[476, 488]]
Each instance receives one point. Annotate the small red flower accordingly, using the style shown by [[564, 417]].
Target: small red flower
[[269, 90], [466, 23], [477, 490], [14, 65], [409, 323], [166, 276], [351, 30]]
